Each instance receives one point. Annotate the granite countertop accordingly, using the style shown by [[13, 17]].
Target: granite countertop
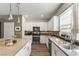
[[68, 52], [41, 32], [12, 50]]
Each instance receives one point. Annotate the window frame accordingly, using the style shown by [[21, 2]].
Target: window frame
[[71, 23]]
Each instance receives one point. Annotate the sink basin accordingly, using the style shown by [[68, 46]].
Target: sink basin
[[69, 46]]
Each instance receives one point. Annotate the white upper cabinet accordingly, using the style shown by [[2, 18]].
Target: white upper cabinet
[[53, 24], [50, 25]]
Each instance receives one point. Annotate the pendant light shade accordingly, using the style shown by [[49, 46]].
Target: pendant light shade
[[10, 15]]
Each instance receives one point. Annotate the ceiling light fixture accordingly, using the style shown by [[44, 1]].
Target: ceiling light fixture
[[10, 15], [42, 15], [18, 4]]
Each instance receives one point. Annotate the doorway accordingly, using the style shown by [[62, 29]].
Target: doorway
[[8, 30]]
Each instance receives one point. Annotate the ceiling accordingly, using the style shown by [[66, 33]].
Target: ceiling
[[32, 11]]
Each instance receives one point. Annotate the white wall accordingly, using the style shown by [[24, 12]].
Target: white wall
[[56, 23], [53, 24], [44, 39]]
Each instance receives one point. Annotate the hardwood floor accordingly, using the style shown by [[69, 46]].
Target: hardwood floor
[[39, 50]]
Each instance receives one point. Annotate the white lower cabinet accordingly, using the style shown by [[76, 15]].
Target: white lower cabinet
[[53, 50], [44, 40], [25, 51], [56, 51]]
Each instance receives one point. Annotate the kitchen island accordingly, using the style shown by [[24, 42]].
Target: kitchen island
[[17, 48]]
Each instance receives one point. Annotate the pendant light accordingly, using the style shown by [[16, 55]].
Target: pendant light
[[18, 12], [10, 15]]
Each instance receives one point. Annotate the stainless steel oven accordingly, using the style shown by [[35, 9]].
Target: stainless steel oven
[[36, 35]]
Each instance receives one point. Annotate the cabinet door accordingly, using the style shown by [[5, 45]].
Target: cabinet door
[[59, 52], [29, 48], [56, 51], [53, 49], [44, 39], [26, 50], [55, 23], [21, 52], [50, 25]]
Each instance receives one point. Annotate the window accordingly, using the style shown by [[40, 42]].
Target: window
[[78, 16], [66, 20]]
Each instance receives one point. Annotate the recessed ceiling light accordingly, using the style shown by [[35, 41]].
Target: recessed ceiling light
[[42, 15]]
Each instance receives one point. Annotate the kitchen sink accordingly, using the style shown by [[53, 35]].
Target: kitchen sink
[[69, 46]]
